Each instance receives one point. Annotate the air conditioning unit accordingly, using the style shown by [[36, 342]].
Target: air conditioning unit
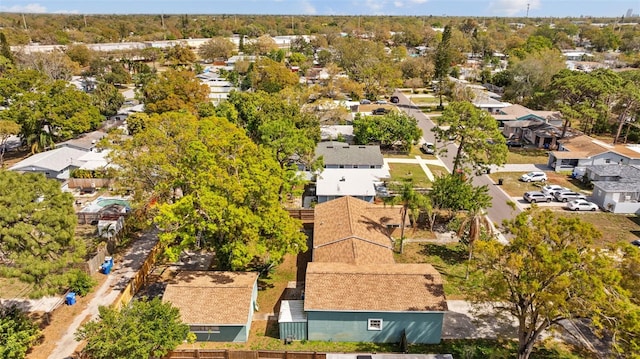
[[627, 198]]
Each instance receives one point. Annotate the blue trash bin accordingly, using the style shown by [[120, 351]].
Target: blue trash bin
[[70, 299]]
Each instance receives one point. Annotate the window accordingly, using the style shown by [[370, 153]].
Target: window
[[374, 324], [205, 329], [608, 160]]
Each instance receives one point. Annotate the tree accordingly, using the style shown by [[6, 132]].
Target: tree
[[180, 56], [627, 103], [228, 189], [548, 272], [79, 53], [107, 99], [217, 48], [442, 61], [37, 243], [409, 199], [480, 142], [261, 46], [532, 76], [271, 76], [174, 90], [7, 129], [17, 333], [394, 129], [56, 64], [5, 49], [145, 329], [54, 111]]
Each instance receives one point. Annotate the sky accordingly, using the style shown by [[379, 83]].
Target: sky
[[537, 8]]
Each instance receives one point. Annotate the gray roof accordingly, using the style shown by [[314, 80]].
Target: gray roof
[[85, 142], [55, 160], [341, 153], [622, 171], [617, 186]]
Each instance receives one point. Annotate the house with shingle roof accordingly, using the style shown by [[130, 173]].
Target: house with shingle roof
[[616, 187], [582, 151], [217, 306], [354, 290]]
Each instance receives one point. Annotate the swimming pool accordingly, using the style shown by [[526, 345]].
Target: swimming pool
[[103, 202]]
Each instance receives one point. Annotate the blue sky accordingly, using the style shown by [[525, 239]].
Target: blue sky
[[537, 8]]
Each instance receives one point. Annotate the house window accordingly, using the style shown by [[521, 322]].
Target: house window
[[205, 329], [608, 160], [374, 324]]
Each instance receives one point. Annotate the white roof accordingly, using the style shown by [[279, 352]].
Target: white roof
[[55, 160], [94, 160], [292, 311], [349, 182]]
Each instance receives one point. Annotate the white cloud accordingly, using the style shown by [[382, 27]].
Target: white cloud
[[408, 3], [513, 7], [308, 8], [29, 8]]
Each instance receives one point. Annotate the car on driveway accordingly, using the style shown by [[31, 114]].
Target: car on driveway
[[364, 101], [428, 148], [536, 196], [553, 188], [566, 196], [380, 111], [534, 177], [515, 143], [381, 102], [636, 242], [581, 205], [395, 99]]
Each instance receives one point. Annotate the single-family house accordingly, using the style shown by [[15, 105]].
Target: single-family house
[[616, 188], [57, 163], [217, 306], [86, 142], [374, 302], [354, 290], [343, 155], [520, 113], [334, 132], [582, 151]]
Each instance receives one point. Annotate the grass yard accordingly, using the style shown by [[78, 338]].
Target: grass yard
[[413, 152], [424, 100], [449, 259], [13, 288], [527, 156], [401, 171], [614, 227], [438, 171]]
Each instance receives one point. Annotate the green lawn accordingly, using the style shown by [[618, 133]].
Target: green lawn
[[438, 171], [401, 171], [424, 100], [527, 156]]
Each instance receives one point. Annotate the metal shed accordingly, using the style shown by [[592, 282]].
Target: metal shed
[[292, 320]]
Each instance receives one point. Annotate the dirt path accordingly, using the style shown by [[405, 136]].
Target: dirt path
[[125, 269]]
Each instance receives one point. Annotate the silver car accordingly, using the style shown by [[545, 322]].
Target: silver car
[[536, 196], [581, 205], [566, 196]]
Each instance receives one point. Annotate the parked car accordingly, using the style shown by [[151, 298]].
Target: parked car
[[565, 196], [380, 111], [364, 101], [636, 242], [550, 189], [515, 143], [428, 148], [395, 99], [534, 177], [382, 191], [381, 102], [536, 196], [581, 205]]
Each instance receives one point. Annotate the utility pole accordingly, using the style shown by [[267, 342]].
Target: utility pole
[[85, 20], [164, 31], [528, 9], [24, 22]]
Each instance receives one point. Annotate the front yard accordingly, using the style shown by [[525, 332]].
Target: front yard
[[402, 171]]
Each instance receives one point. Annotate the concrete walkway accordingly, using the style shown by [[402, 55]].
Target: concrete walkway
[[520, 168], [124, 270], [419, 161]]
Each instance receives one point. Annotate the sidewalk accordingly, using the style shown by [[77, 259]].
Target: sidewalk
[[419, 161], [124, 270]]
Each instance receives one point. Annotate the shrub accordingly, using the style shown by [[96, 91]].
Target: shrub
[[80, 282]]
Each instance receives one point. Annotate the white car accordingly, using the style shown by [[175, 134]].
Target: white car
[[428, 148], [566, 196], [550, 189], [534, 177], [581, 205]]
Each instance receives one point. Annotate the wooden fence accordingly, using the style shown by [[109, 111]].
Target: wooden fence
[[306, 215], [94, 263], [139, 279], [241, 354], [89, 182]]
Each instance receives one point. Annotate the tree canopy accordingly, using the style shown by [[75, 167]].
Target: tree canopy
[[480, 142], [217, 48], [394, 129], [37, 224], [549, 272], [145, 329], [213, 188], [174, 90], [17, 333]]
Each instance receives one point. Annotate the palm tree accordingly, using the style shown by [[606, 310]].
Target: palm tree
[[475, 225], [409, 199]]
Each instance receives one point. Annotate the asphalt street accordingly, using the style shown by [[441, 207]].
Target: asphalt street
[[499, 210]]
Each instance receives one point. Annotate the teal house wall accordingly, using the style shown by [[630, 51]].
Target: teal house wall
[[420, 327], [224, 334]]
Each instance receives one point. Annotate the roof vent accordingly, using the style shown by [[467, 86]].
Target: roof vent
[[342, 179]]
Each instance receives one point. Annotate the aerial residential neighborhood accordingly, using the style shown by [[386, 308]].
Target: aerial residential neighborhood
[[319, 186]]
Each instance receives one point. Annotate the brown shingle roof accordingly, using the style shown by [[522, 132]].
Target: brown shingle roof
[[208, 297], [353, 231], [375, 287], [586, 147]]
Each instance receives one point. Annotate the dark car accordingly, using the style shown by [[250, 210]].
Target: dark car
[[515, 143], [395, 99], [380, 111]]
